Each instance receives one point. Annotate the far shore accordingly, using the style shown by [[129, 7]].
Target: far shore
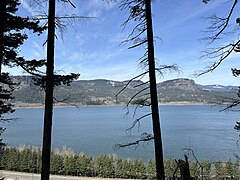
[[40, 105]]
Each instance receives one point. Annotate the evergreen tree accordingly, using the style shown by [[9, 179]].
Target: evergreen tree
[[119, 169], [11, 37], [206, 165], [84, 165], [151, 170], [127, 167], [13, 160], [104, 166], [4, 158], [220, 170], [170, 167], [194, 169], [56, 166], [139, 169], [70, 165], [35, 158], [231, 168]]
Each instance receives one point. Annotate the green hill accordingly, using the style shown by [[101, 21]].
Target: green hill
[[103, 92]]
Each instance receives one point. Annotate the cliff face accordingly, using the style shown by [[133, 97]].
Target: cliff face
[[183, 84]]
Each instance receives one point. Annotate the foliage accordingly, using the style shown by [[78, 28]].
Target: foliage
[[66, 162], [170, 166], [206, 165], [13, 35]]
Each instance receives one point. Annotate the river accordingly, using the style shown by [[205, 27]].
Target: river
[[97, 129]]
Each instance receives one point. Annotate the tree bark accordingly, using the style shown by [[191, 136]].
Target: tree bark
[[48, 114], [154, 98], [2, 29]]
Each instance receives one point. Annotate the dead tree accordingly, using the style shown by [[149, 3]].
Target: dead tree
[[153, 95], [219, 28], [47, 131], [183, 166], [49, 82], [142, 35]]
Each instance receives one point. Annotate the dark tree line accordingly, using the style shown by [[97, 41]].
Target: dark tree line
[[65, 162]]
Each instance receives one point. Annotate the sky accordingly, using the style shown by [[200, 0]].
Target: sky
[[92, 46]]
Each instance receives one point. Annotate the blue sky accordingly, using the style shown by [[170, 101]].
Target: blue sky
[[92, 47]]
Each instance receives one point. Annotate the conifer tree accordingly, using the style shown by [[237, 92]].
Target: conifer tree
[[12, 37]]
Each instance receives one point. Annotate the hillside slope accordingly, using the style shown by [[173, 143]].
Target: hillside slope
[[103, 92]]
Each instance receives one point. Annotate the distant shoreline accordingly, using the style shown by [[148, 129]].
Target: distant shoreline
[[40, 105]]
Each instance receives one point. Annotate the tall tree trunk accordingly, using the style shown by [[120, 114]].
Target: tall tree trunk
[[154, 98], [2, 28], [47, 132]]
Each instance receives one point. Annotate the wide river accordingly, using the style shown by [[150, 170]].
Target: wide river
[[96, 130]]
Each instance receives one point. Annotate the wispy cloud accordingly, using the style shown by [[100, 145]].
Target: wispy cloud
[[119, 72], [27, 7], [188, 11], [99, 4]]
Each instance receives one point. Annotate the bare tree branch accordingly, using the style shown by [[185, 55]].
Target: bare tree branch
[[220, 24], [136, 94], [144, 138], [222, 53], [126, 85], [138, 121]]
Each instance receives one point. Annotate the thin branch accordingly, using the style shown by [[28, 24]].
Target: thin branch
[[138, 44], [126, 85], [135, 95], [146, 137], [142, 84], [221, 23], [223, 55], [69, 3], [138, 121]]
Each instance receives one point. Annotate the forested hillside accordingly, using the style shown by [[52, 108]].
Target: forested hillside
[[103, 92]]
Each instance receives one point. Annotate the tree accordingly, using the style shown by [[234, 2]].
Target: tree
[[85, 165], [104, 166], [142, 35], [220, 170], [56, 163], [48, 82], [48, 111], [11, 37], [222, 28]]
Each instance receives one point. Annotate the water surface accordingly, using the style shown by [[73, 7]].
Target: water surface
[[96, 130]]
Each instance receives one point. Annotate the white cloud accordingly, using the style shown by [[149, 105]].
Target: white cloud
[[99, 4], [121, 71]]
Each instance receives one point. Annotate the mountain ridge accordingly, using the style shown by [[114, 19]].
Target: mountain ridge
[[103, 92]]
